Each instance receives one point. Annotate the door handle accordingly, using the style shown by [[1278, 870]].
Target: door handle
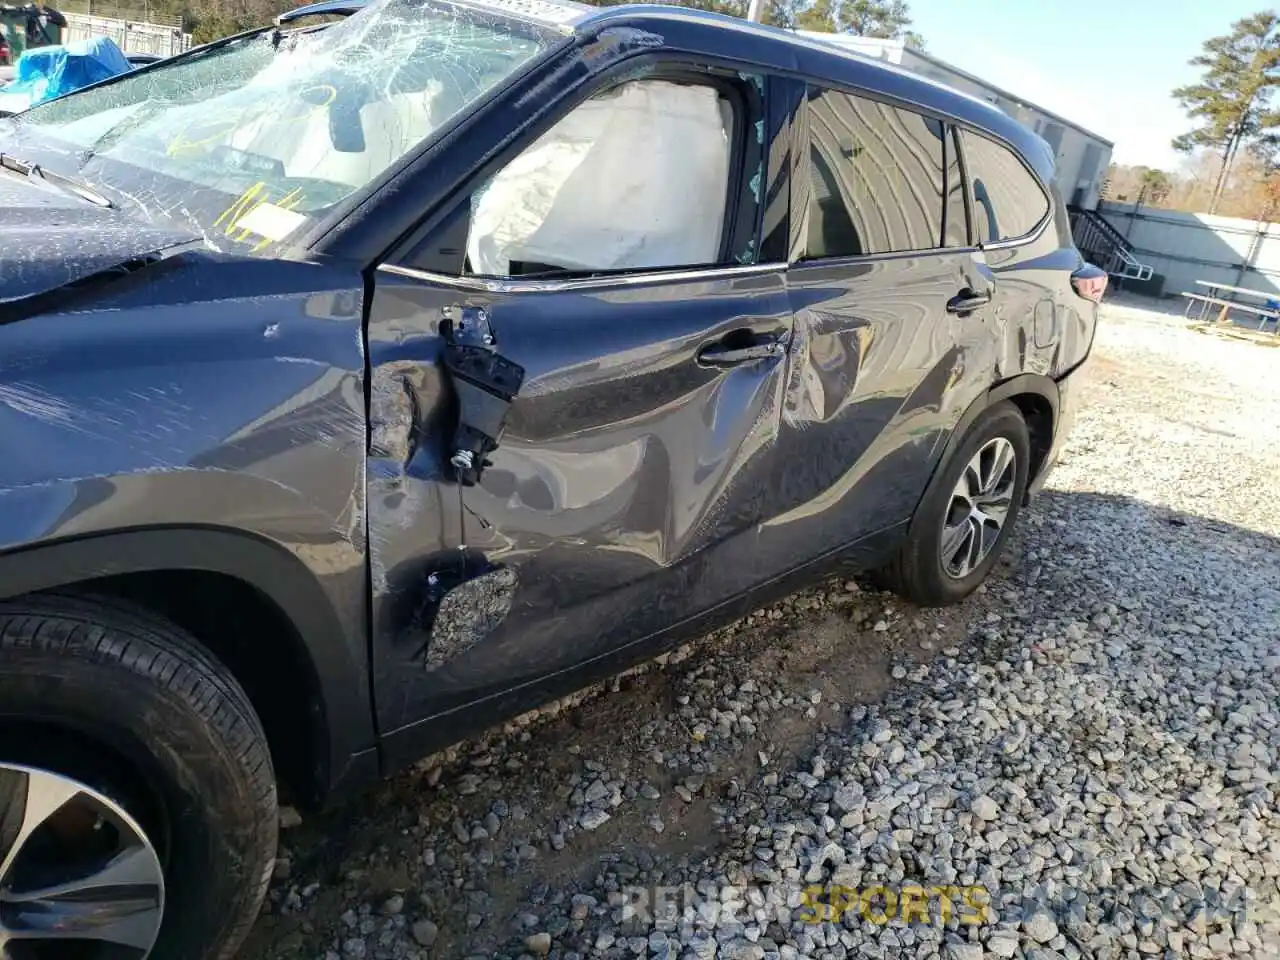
[[966, 301], [732, 351]]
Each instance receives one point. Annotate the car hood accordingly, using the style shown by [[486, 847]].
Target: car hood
[[11, 103], [49, 238]]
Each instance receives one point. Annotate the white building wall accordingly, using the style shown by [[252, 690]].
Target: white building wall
[[888, 50], [1076, 165], [1186, 247]]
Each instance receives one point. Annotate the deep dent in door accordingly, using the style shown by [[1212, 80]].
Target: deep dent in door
[[616, 464]]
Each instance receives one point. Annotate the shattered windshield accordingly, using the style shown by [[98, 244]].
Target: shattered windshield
[[250, 140]]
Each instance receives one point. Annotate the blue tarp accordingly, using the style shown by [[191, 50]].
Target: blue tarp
[[48, 72]]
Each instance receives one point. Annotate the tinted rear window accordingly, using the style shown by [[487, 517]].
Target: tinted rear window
[[1008, 201], [876, 176]]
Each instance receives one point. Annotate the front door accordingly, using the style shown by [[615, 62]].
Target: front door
[[573, 434]]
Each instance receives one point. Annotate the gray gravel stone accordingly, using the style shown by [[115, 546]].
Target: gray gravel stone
[[1040, 927], [538, 943], [984, 808], [425, 933], [1003, 944], [740, 949]]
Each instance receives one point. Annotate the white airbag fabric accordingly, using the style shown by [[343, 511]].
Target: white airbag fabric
[[636, 178]]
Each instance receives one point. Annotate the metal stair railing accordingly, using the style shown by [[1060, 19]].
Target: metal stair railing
[[1103, 244], [1126, 267], [1108, 228]]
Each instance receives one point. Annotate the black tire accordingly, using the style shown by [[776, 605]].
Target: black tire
[[128, 703], [916, 573]]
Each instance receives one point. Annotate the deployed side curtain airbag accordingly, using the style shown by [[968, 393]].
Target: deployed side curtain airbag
[[635, 178]]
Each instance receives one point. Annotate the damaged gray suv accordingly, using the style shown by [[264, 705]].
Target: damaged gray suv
[[366, 383]]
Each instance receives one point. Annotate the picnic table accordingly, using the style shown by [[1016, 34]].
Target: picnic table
[[1270, 309]]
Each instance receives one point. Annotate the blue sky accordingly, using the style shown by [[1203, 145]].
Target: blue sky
[[1108, 65]]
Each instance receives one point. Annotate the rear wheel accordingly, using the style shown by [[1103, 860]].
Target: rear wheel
[[964, 521], [137, 801]]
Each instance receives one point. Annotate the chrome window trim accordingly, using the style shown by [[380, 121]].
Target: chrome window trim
[[639, 279], [1026, 238], [854, 259], [1009, 244]]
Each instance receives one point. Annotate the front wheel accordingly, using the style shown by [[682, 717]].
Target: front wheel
[[78, 874], [964, 521], [137, 802]]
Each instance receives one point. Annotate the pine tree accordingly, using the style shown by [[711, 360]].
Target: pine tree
[[883, 19], [1232, 101], [1155, 185]]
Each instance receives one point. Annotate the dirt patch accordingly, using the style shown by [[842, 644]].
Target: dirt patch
[[1261, 338]]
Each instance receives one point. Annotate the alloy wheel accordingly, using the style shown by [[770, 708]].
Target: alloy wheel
[[78, 876], [979, 507]]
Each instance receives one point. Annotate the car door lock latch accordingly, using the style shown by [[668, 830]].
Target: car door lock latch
[[485, 383]]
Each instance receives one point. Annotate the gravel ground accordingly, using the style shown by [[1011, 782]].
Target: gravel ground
[[1080, 761]]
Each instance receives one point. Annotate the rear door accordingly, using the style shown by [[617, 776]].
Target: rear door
[[891, 330], [601, 293], [1034, 304]]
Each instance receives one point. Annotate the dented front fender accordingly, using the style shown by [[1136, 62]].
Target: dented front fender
[[222, 394]]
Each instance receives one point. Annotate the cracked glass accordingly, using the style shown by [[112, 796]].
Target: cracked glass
[[248, 140]]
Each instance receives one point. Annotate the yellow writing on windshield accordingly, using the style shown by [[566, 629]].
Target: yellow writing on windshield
[[205, 136], [246, 203], [243, 204]]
